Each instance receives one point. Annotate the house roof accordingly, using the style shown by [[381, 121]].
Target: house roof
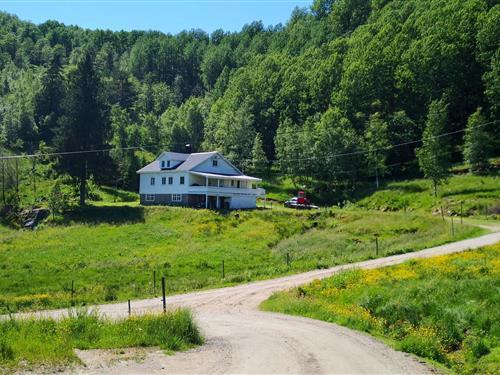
[[194, 160], [190, 161]]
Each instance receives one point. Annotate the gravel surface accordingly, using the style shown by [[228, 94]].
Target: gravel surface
[[242, 339]]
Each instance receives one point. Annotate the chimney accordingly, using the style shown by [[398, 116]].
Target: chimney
[[188, 149]]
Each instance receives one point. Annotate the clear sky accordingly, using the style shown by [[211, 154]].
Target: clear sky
[[170, 16]]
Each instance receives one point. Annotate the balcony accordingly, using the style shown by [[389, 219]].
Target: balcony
[[222, 190]]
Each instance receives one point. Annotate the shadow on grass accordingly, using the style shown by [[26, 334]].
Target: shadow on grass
[[104, 214], [470, 191], [120, 195]]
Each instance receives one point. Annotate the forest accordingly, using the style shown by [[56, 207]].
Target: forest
[[345, 92]]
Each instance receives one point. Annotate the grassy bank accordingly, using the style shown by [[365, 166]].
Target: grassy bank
[[112, 252], [477, 196], [446, 309], [30, 343]]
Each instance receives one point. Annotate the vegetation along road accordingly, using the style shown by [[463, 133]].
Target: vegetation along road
[[241, 339]]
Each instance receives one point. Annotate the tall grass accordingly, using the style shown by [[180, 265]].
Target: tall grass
[[36, 342], [111, 252], [446, 309], [466, 194]]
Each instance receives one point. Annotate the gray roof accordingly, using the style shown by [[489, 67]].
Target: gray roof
[[191, 161], [194, 160]]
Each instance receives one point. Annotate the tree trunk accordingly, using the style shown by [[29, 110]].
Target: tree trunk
[[435, 188], [83, 183]]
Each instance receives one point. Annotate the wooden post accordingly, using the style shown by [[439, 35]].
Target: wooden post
[[376, 245], [223, 271], [442, 213], [452, 227], [3, 182], [129, 310], [72, 292], [461, 212], [288, 259], [163, 294], [17, 179], [154, 283], [34, 180]]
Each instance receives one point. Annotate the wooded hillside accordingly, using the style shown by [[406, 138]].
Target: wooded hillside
[[340, 93]]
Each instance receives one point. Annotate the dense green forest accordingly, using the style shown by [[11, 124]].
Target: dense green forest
[[340, 94]]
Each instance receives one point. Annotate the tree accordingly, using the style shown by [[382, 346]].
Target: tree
[[377, 143], [82, 127], [477, 145], [433, 155], [57, 200], [259, 159]]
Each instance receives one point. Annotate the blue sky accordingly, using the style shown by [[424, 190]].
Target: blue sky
[[169, 16]]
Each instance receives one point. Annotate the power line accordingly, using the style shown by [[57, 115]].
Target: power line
[[329, 156]]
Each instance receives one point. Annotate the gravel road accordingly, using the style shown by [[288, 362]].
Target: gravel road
[[242, 339]]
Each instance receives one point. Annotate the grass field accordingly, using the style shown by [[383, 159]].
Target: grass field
[[111, 252], [29, 344], [445, 309], [477, 196]]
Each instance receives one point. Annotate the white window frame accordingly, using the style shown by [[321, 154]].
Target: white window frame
[[163, 180], [170, 180], [177, 198], [149, 198], [163, 163], [168, 163], [181, 180], [152, 181], [215, 162]]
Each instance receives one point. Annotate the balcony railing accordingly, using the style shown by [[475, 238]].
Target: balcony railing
[[227, 190]]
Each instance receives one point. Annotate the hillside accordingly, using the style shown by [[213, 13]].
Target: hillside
[[443, 308], [112, 252], [339, 94]]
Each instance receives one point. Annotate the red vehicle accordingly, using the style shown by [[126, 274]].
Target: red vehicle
[[299, 202]]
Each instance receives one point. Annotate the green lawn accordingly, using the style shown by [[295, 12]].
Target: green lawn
[[445, 309], [28, 344], [110, 252]]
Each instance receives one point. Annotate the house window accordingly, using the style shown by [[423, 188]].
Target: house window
[[163, 163], [232, 183], [176, 198], [163, 180], [238, 184], [215, 163], [170, 180], [150, 197], [152, 180], [181, 180]]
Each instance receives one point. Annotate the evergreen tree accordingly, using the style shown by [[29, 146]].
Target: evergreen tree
[[432, 156], [82, 127], [477, 145], [259, 159]]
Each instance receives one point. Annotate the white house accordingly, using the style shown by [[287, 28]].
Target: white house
[[204, 179]]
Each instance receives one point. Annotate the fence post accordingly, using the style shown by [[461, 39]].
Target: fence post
[[163, 293], [154, 283], [72, 292], [376, 245], [129, 310], [442, 213], [223, 270], [288, 259], [461, 212], [452, 227]]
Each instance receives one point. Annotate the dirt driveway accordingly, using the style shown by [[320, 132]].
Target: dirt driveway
[[242, 339]]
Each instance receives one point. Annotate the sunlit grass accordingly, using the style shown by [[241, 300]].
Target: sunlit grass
[[30, 343], [445, 308]]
